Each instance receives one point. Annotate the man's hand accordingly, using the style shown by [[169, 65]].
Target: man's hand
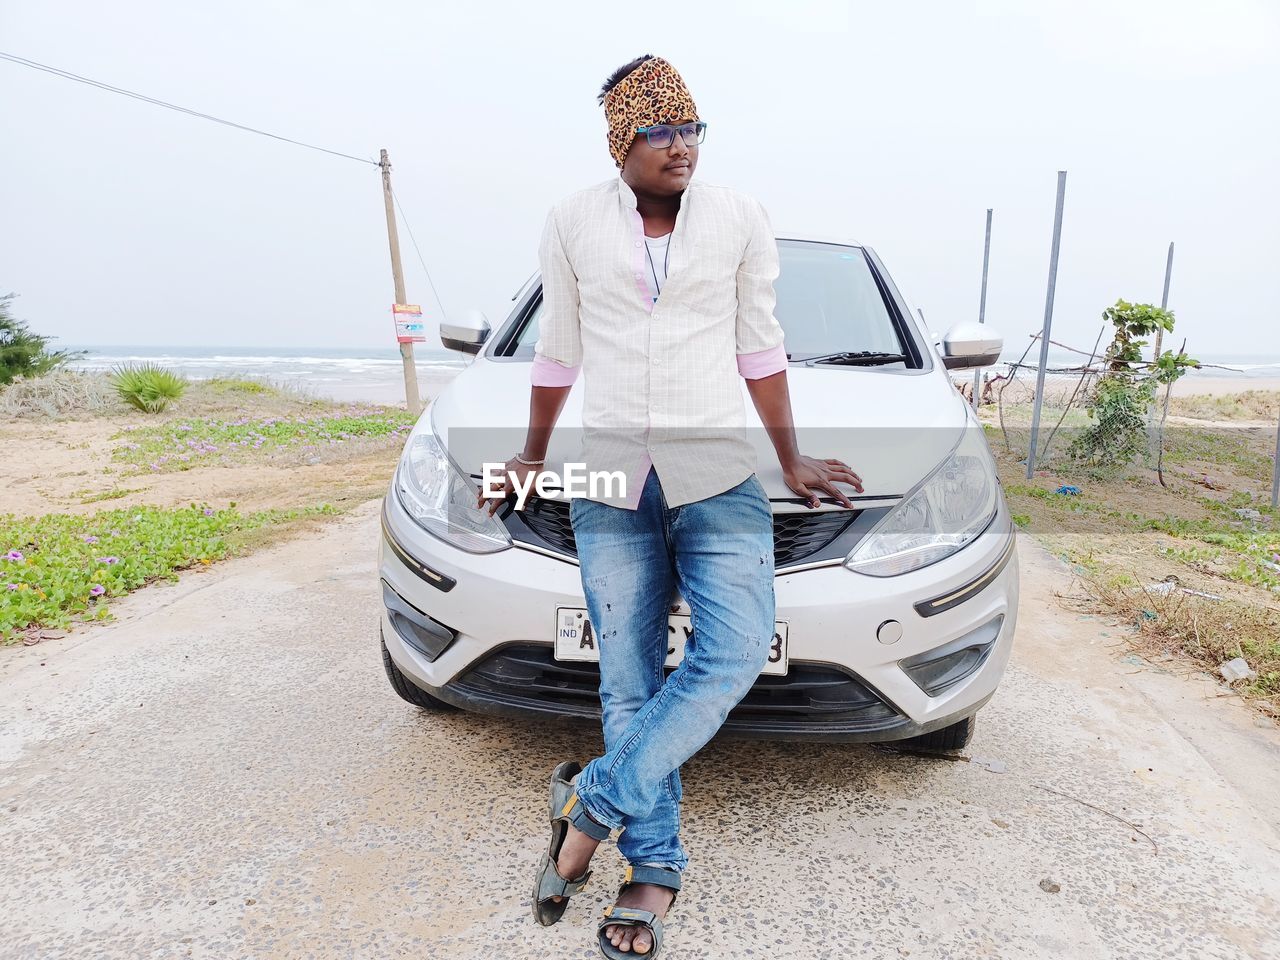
[[512, 467], [809, 476]]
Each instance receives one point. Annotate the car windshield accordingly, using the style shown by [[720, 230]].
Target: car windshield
[[828, 302]]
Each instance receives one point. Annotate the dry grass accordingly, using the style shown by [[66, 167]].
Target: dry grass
[[72, 395], [1263, 405], [60, 395], [1207, 632], [65, 457]]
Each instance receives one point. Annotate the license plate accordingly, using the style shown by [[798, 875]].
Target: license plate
[[576, 640]]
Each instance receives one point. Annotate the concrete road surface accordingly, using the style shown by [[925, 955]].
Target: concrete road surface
[[225, 773]]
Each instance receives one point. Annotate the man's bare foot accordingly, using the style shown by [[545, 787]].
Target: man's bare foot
[[575, 855], [645, 896]]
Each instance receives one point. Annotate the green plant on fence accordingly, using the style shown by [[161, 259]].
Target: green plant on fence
[[1119, 405], [146, 386], [23, 353]]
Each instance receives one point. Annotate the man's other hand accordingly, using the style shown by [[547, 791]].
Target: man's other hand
[[810, 477]]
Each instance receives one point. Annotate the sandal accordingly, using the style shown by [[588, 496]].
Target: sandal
[[616, 916], [565, 808]]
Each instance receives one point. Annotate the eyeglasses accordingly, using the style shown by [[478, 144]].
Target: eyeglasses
[[660, 135]]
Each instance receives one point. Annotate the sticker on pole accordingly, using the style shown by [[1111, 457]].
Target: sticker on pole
[[409, 325]]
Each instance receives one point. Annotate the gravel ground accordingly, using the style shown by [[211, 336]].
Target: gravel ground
[[225, 773]]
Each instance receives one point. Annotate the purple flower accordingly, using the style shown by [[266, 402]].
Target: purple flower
[[208, 512], [97, 590], [90, 539], [13, 586], [14, 555], [108, 560]]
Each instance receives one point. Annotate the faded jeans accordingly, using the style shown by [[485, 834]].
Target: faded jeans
[[719, 553]]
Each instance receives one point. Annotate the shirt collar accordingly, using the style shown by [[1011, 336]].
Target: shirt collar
[[627, 196]]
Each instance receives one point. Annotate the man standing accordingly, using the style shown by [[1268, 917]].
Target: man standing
[[660, 291]]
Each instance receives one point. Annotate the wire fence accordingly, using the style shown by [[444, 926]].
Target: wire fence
[[1088, 428]]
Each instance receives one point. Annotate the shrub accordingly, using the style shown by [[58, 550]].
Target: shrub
[[23, 353], [147, 387], [1120, 403], [238, 385]]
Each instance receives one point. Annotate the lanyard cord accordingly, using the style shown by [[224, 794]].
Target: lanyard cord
[[666, 259]]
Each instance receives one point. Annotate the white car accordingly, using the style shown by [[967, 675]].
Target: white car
[[895, 619]]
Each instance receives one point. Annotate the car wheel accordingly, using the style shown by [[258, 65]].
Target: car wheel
[[954, 737], [407, 689]]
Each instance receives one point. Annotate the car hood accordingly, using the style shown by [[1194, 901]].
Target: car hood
[[892, 428]]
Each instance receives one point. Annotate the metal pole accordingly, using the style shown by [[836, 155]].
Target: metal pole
[[982, 303], [1164, 300], [1275, 471], [1154, 428], [412, 399], [1048, 320]]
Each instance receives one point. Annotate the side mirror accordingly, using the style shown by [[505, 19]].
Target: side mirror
[[968, 345], [467, 334]]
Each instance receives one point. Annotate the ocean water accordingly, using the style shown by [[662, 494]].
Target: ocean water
[[374, 373], [354, 373]]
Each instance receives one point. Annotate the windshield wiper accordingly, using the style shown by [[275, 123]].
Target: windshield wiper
[[860, 358]]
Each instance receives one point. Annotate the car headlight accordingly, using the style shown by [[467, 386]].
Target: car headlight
[[443, 501], [947, 511]]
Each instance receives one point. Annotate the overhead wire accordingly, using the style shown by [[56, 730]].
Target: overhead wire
[[423, 262], [110, 88]]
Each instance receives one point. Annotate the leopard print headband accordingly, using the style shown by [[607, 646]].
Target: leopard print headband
[[651, 93]]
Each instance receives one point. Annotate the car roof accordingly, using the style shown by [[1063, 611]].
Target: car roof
[[809, 236]]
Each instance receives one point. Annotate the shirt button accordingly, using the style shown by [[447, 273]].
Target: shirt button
[[637, 243], [639, 276], [656, 361]]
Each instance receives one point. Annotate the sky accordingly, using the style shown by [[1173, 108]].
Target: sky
[[897, 125]]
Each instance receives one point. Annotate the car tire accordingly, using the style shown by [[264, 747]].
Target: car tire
[[409, 691], [954, 737]]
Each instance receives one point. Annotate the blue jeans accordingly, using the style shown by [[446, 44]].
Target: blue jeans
[[719, 553]]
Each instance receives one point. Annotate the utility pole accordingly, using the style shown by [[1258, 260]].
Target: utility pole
[[412, 399]]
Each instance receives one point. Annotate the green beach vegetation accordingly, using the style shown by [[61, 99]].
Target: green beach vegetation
[[147, 387], [189, 442], [58, 568], [98, 498]]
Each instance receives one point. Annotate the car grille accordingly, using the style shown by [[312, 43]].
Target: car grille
[[796, 536], [811, 698]]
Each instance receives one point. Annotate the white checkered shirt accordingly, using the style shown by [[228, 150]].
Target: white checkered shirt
[[660, 380]]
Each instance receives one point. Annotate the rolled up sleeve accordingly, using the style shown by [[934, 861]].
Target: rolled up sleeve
[[757, 328], [548, 373], [762, 363], [559, 331]]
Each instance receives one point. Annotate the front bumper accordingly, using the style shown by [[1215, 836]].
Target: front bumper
[[843, 683]]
